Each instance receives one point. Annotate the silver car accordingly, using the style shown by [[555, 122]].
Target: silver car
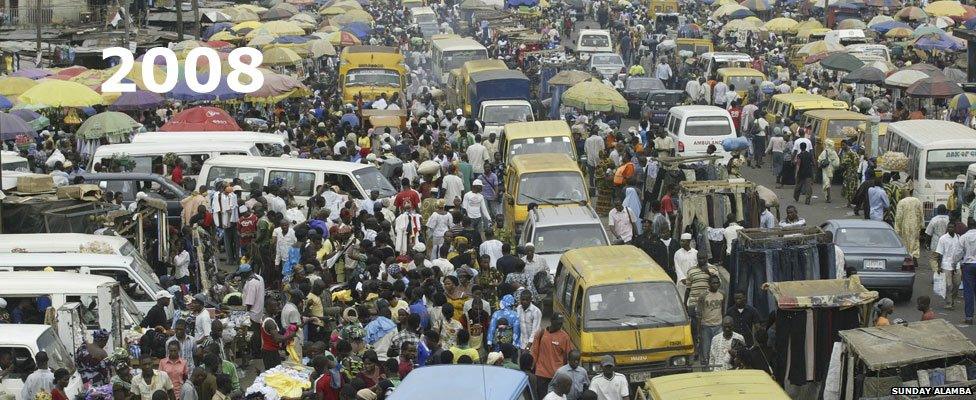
[[555, 230], [607, 64], [876, 252]]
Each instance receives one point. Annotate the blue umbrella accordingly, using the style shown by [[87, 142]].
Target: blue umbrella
[[138, 100], [290, 40], [518, 3], [942, 42], [739, 14], [970, 23], [11, 126], [886, 26], [218, 27], [223, 92], [35, 120], [89, 111], [359, 29], [5, 103]]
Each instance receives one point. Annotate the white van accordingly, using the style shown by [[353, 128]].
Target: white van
[[73, 243], [138, 284], [694, 128], [711, 62], [591, 41], [23, 342], [869, 53], [148, 157], [13, 166], [301, 176], [103, 304], [425, 19], [265, 142], [846, 37]]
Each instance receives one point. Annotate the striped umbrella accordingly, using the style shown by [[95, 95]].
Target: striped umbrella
[[963, 101]]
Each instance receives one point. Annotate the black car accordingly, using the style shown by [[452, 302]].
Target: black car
[[636, 90], [130, 183]]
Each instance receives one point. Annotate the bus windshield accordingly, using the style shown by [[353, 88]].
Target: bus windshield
[[595, 41], [633, 305], [947, 164], [551, 187], [372, 77], [503, 114], [457, 58], [835, 128]]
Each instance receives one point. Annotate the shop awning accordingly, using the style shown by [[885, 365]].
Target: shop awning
[[826, 293], [891, 346]]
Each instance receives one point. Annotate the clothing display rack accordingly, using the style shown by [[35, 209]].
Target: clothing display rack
[[706, 204], [671, 171]]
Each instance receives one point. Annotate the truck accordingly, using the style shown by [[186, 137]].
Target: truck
[[371, 71], [499, 97], [22, 342]]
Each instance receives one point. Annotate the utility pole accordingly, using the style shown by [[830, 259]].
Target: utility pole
[[125, 22], [196, 17], [179, 20], [37, 24]]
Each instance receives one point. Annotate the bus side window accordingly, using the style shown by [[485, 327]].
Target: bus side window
[[578, 305]]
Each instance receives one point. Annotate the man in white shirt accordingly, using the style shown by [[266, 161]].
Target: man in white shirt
[[622, 222], [225, 215], [719, 357], [593, 146], [766, 219], [718, 93], [477, 156], [561, 385], [684, 259], [731, 233], [453, 187], [201, 321], [407, 227], [42, 379], [530, 318], [945, 250], [282, 131], [609, 385], [937, 227], [492, 247], [475, 206], [796, 144]]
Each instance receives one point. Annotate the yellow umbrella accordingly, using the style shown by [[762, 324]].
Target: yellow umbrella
[[187, 45], [593, 95], [225, 36], [240, 14], [899, 33], [818, 47], [261, 38], [741, 25], [332, 10], [343, 38], [348, 4], [281, 28], [321, 47], [726, 10], [753, 20], [251, 7], [277, 55], [58, 93], [947, 8], [720, 3], [806, 33], [15, 85], [352, 16], [304, 20], [851, 23], [326, 29], [781, 24], [809, 24], [246, 25], [299, 48]]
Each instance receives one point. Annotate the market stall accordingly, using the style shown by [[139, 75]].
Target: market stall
[[930, 353], [809, 316], [705, 206]]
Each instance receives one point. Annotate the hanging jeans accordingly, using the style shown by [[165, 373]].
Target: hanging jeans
[[968, 287]]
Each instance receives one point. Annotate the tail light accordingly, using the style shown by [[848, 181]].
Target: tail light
[[909, 264], [681, 146]]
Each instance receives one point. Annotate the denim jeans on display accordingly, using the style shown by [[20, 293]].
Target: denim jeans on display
[[968, 289]]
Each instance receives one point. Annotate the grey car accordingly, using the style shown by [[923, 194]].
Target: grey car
[[607, 64], [555, 230], [130, 183], [876, 252]]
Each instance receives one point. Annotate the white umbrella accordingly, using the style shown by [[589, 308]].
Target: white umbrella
[[666, 45], [879, 19], [905, 78], [217, 16], [884, 66]]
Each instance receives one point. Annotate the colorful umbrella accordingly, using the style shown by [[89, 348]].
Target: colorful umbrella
[[280, 28], [970, 23], [277, 55], [216, 16], [5, 103], [225, 36], [963, 101], [934, 87], [35, 120], [333, 10], [277, 87], [201, 119], [841, 62], [756, 5], [905, 78], [107, 124], [884, 3], [943, 22], [970, 14], [57, 93], [726, 10], [817, 47], [809, 24], [252, 25], [911, 14], [926, 68], [928, 30], [886, 26], [352, 16], [781, 24], [276, 14], [11, 126], [593, 95], [15, 85], [222, 92], [945, 8], [942, 42], [138, 100], [360, 29], [877, 19], [32, 73], [262, 38], [851, 23], [569, 78], [899, 33], [343, 38], [954, 74], [70, 72], [320, 48]]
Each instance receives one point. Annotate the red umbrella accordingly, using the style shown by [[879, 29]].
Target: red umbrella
[[219, 44], [201, 119], [69, 72]]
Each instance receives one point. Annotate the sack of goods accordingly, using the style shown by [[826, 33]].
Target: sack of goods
[[893, 161], [735, 144]]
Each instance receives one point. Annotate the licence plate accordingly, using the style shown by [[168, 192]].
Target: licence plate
[[874, 264], [640, 376]]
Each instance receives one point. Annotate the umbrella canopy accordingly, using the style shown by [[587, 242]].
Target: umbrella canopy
[[904, 78], [5, 103], [32, 73], [970, 23], [886, 26], [262, 38], [809, 24], [943, 22], [877, 19], [756, 5], [963, 101], [865, 75], [201, 119], [946, 8], [57, 93], [726, 10], [138, 100], [593, 95], [252, 25], [360, 29], [737, 14], [107, 124], [343, 38], [280, 28], [954, 74], [277, 87], [781, 24], [240, 14], [934, 87], [68, 73], [841, 62], [277, 55], [216, 28], [187, 45], [352, 16], [11, 126], [303, 17], [899, 33], [320, 48], [569, 78], [183, 92], [923, 30], [884, 66], [290, 40], [942, 42], [276, 14], [891, 4], [851, 23], [35, 120], [225, 36], [15, 85], [333, 10], [911, 14], [817, 47], [214, 16]]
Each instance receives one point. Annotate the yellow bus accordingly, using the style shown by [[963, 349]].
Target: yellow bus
[[742, 78], [370, 71], [537, 137], [546, 179], [830, 124], [792, 105], [738, 384]]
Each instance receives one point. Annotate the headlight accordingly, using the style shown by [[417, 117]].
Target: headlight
[[678, 361]]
